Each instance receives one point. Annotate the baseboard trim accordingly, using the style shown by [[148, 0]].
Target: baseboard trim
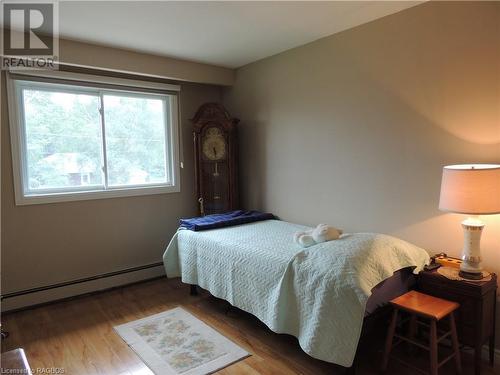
[[59, 291], [79, 281]]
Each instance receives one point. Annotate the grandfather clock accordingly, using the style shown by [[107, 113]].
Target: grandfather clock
[[216, 157]]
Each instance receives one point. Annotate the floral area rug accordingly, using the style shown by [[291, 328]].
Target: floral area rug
[[175, 342]]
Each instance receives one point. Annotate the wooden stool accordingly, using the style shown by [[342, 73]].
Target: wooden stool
[[434, 309]]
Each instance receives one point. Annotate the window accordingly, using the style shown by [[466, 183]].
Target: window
[[75, 140]]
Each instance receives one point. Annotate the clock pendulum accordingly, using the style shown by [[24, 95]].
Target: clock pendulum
[[216, 180]]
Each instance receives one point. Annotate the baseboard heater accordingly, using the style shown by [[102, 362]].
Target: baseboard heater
[[46, 293]]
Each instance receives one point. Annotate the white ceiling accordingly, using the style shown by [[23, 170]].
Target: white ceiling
[[229, 34]]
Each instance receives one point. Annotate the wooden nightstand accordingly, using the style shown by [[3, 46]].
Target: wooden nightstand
[[476, 315]]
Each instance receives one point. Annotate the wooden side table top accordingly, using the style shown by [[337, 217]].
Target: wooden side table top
[[16, 360]]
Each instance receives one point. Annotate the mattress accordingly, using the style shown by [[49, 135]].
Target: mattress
[[318, 294], [401, 282]]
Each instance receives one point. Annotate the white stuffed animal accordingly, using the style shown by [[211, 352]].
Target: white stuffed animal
[[304, 239], [321, 233]]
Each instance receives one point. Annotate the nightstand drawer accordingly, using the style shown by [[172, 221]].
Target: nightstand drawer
[[467, 303]]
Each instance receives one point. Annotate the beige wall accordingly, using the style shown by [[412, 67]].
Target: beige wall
[[50, 243], [354, 129], [79, 53]]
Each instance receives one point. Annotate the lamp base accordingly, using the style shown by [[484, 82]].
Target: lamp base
[[471, 275], [471, 254]]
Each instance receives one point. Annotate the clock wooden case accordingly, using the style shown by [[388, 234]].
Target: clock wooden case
[[216, 157]]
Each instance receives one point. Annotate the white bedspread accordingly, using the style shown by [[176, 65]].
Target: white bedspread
[[316, 294]]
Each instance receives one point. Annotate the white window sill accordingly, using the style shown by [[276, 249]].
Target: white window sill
[[90, 195]]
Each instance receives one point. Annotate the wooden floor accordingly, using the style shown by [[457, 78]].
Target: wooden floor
[[78, 335]]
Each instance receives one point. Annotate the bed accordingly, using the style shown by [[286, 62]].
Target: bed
[[319, 294]]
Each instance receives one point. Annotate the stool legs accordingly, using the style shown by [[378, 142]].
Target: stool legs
[[433, 348], [433, 342], [454, 341], [388, 340], [412, 331]]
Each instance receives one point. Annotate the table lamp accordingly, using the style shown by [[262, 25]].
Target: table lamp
[[472, 189]]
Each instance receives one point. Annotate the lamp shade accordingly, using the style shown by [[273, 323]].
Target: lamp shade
[[471, 189]]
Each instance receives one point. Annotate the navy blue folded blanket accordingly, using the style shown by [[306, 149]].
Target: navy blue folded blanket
[[227, 219]]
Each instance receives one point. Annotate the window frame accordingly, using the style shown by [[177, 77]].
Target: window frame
[[98, 86]]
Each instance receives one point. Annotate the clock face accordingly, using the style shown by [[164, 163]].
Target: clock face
[[214, 144]]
